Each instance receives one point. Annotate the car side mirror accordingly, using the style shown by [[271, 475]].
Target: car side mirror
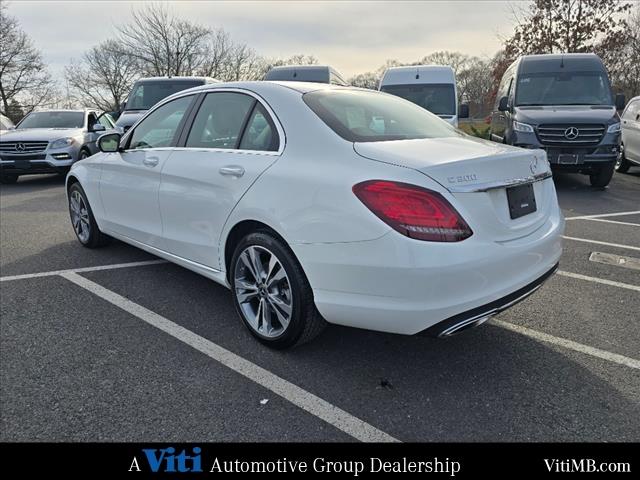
[[463, 111], [97, 127], [620, 101], [503, 106], [109, 142]]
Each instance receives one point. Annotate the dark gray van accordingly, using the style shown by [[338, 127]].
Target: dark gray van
[[563, 104], [306, 73], [146, 92]]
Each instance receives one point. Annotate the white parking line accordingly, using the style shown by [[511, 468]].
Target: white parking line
[[603, 281], [570, 344], [598, 242], [81, 270], [601, 215], [307, 401], [616, 222]]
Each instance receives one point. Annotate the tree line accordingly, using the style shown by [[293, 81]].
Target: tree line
[[158, 42]]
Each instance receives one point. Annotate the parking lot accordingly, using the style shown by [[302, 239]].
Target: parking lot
[[96, 346]]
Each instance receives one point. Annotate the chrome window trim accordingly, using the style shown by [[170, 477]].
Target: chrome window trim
[[485, 187]]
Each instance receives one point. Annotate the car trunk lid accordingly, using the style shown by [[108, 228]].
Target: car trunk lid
[[477, 173]]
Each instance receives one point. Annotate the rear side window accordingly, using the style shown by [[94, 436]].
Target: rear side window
[[368, 116], [260, 133], [220, 120]]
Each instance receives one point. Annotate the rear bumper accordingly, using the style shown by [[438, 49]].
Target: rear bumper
[[479, 315], [400, 285]]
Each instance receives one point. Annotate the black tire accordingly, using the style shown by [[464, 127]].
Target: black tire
[[95, 237], [305, 321], [83, 154], [602, 177], [622, 164], [8, 179]]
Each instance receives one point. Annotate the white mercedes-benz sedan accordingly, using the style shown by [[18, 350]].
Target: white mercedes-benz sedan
[[315, 203]]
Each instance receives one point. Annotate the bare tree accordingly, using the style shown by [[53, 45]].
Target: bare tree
[[103, 77], [569, 26], [368, 80], [298, 59], [623, 58], [24, 81], [162, 43], [219, 49]]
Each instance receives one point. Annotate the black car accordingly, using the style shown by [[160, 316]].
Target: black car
[[563, 104]]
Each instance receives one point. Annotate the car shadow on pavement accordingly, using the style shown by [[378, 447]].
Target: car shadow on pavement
[[33, 183], [487, 384]]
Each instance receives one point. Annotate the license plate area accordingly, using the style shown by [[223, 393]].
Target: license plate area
[[568, 159], [522, 200], [23, 164]]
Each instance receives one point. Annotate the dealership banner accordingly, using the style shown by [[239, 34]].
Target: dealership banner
[[352, 460]]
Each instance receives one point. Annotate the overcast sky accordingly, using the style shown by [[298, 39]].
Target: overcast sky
[[354, 36]]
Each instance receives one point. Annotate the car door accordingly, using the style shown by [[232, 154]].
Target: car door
[[631, 131], [231, 141], [130, 179], [499, 119]]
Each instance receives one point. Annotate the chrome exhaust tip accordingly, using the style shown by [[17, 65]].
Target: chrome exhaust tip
[[465, 325]]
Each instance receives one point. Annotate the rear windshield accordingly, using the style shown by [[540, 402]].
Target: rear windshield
[[566, 88], [368, 116], [146, 95], [53, 120], [437, 98]]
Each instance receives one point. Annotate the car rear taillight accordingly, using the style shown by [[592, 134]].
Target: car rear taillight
[[413, 211]]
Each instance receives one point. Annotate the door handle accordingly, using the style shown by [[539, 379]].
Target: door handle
[[151, 161], [232, 171]]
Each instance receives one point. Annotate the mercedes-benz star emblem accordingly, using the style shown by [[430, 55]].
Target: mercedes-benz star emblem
[[571, 133], [20, 147], [534, 165]]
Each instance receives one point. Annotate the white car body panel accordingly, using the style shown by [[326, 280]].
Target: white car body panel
[[631, 131], [362, 272]]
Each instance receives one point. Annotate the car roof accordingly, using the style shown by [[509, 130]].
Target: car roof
[[418, 74], [258, 86], [71, 110], [174, 79], [551, 62]]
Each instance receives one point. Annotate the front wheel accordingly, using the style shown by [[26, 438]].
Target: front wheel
[[622, 164], [601, 177], [82, 219], [272, 294]]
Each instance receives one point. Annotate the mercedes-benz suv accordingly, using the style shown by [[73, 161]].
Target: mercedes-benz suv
[[50, 141]]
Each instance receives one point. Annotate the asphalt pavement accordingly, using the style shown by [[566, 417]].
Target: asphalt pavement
[[154, 352]]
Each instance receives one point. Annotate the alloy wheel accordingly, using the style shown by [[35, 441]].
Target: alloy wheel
[[80, 216], [263, 291]]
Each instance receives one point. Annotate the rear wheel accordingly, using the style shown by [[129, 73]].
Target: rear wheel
[[82, 219], [601, 177], [622, 164], [8, 179], [272, 294]]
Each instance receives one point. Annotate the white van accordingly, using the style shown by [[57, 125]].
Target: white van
[[433, 87]]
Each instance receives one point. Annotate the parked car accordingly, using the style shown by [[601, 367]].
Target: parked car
[[50, 141], [630, 147], [306, 73], [146, 92], [5, 123], [433, 87], [562, 103], [288, 196]]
